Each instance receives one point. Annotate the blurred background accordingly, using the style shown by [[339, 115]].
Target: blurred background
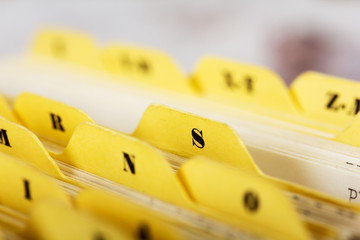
[[286, 36]]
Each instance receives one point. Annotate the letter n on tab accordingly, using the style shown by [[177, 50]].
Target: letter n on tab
[[123, 159], [129, 163]]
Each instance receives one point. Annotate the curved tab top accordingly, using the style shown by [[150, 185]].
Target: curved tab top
[[6, 111], [48, 118], [123, 159], [133, 217], [326, 98], [21, 185], [145, 65], [67, 46], [351, 134], [17, 141], [247, 197], [189, 135], [233, 81], [52, 220]]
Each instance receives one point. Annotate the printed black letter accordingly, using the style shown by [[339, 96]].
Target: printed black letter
[[197, 140], [144, 232], [355, 109], [331, 103], [353, 194], [130, 162], [99, 236], [144, 66], [251, 201], [249, 84], [229, 80], [27, 189], [4, 138], [56, 122]]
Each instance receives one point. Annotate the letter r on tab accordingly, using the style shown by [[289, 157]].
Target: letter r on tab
[[56, 122]]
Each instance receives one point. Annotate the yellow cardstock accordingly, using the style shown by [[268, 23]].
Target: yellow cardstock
[[234, 82], [48, 118], [326, 98], [146, 65], [67, 46]]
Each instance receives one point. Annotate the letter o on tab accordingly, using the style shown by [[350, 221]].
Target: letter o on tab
[[251, 201]]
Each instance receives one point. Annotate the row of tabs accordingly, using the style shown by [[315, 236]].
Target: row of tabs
[[131, 162], [312, 96], [315, 159], [33, 205], [66, 144]]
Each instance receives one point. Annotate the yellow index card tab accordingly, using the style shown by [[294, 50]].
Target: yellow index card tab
[[189, 135], [135, 218], [233, 81], [326, 98], [145, 65], [51, 220], [48, 118], [67, 46], [6, 111], [247, 197], [22, 185], [17, 141], [123, 159], [351, 134]]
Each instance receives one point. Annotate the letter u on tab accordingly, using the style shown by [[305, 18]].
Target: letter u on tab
[[246, 197], [188, 135], [67, 46], [124, 160], [236, 82], [145, 65]]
